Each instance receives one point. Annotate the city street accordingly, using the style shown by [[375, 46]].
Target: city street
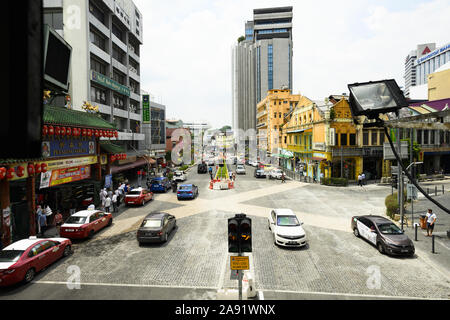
[[194, 263]]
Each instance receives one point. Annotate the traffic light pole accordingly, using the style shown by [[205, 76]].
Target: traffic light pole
[[240, 278]]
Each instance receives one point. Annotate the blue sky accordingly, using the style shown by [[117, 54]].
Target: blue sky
[[186, 56]]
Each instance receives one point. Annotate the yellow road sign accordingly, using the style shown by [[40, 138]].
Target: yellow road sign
[[239, 263]]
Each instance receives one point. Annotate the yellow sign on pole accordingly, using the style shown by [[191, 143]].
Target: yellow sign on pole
[[239, 263]]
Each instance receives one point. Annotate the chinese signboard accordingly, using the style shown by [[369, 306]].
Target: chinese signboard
[[146, 109], [109, 83], [68, 147], [61, 176]]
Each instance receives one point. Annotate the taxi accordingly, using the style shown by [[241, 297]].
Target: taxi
[[84, 224], [138, 196], [21, 260]]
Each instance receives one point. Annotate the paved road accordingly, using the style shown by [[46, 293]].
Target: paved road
[[194, 263]]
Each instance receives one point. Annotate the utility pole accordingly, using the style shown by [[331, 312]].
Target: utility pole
[[400, 178]]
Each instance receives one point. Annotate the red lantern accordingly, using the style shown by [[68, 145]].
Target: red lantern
[[69, 131], [44, 167], [96, 134], [89, 133], [116, 134], [37, 168], [10, 173], [63, 131], [84, 132], [113, 158], [30, 169], [2, 173], [124, 156], [103, 133], [20, 171], [51, 130], [57, 131], [44, 130]]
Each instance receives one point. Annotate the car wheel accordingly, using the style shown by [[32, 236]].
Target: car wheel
[[356, 232], [109, 222], [91, 234], [29, 276], [143, 202], [165, 237], [380, 247], [67, 251]]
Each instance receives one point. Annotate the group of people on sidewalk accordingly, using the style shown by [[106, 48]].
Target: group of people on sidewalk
[[110, 198], [44, 220], [361, 179]]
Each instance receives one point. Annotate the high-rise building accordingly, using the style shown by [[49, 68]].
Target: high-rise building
[[412, 75], [105, 36], [261, 62]]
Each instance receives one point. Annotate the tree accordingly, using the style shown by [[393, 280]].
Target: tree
[[241, 38], [224, 129]]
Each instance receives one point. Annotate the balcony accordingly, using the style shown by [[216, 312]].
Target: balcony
[[135, 96], [134, 74], [99, 25], [299, 148], [261, 125], [99, 53], [261, 114], [119, 43], [119, 66]]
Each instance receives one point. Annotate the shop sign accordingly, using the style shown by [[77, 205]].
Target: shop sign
[[109, 83], [67, 163], [62, 176], [319, 146], [67, 147], [146, 109], [103, 159], [108, 181]]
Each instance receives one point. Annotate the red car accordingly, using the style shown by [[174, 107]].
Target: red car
[[21, 260], [84, 224], [138, 196]]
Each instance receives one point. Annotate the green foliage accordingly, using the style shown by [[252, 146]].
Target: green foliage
[[332, 114], [170, 176], [241, 38], [335, 182], [415, 149], [391, 202], [184, 167]]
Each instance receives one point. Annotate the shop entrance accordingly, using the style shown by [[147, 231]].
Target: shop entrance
[[372, 168]]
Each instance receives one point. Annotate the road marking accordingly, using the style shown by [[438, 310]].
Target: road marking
[[261, 295]]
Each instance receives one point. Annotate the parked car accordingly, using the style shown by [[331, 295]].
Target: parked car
[[21, 260], [138, 196], [160, 184], [253, 163], [210, 162], [156, 227], [275, 174], [84, 224], [286, 228], [260, 173], [187, 191], [179, 176], [382, 233], [240, 169], [202, 168]]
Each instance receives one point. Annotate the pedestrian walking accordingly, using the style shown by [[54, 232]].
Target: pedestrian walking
[[42, 222], [108, 204], [114, 202], [58, 221], [102, 199], [431, 220], [117, 193], [110, 193], [360, 180], [234, 176], [283, 177], [363, 178], [38, 216]]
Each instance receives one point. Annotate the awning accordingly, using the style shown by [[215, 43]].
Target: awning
[[128, 166], [318, 159], [112, 148]]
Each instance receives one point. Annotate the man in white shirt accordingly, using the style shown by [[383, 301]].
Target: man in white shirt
[[114, 202], [431, 220], [107, 204]]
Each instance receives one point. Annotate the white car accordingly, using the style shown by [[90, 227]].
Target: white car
[[286, 228], [253, 163], [210, 162], [179, 176], [240, 169], [275, 174]]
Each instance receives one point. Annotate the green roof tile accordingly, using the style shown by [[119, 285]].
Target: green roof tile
[[111, 147], [62, 116]]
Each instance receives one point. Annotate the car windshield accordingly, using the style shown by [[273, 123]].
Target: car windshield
[[240, 167], [151, 223], [178, 174], [287, 221], [185, 188], [10, 255], [389, 228], [76, 220], [156, 181], [134, 193]]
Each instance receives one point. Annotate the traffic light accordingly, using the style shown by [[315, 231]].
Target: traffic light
[[239, 234], [245, 230], [233, 235], [394, 181]]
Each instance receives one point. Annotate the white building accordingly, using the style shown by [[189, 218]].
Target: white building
[[410, 75]]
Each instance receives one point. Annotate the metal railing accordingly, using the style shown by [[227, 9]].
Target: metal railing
[[298, 176]]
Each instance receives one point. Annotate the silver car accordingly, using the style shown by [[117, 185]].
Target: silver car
[[240, 169]]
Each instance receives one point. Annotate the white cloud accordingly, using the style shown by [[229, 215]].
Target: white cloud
[[186, 56]]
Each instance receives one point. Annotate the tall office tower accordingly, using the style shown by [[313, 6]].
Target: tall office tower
[[261, 62], [413, 74], [106, 36]]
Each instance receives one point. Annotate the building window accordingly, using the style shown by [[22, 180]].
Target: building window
[[374, 138], [365, 138], [54, 19], [98, 66], [343, 139], [119, 102], [119, 77], [96, 12], [352, 139], [118, 54], [270, 66], [98, 95], [98, 40], [425, 136], [274, 114], [117, 32], [381, 138], [419, 136], [432, 135]]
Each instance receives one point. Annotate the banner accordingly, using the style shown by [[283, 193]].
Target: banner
[[146, 109], [62, 176]]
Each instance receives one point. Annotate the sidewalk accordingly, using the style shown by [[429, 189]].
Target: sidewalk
[[441, 257]]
